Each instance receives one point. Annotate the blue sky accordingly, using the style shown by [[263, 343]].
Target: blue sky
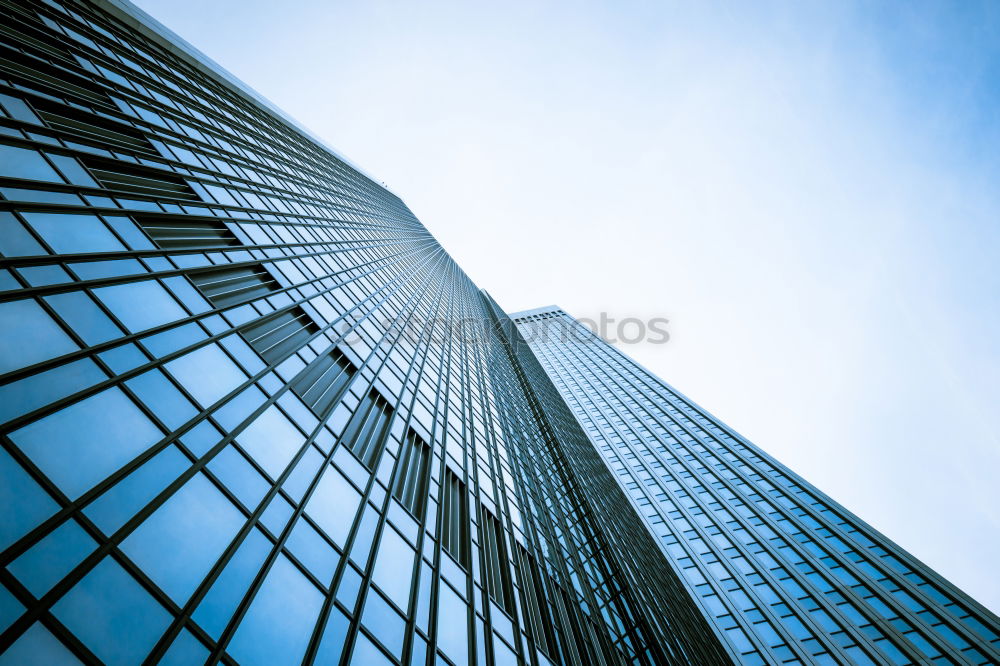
[[808, 191]]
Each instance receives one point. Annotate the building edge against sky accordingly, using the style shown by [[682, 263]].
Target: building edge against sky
[[232, 430], [778, 567]]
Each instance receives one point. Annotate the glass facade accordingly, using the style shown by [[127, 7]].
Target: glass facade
[[783, 573], [234, 427], [239, 424]]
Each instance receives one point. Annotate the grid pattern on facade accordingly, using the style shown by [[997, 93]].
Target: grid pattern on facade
[[229, 431], [784, 574]]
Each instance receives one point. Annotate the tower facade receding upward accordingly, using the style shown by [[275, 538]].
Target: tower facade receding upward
[[251, 412]]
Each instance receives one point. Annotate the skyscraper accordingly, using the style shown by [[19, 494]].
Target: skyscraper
[[783, 573], [252, 412]]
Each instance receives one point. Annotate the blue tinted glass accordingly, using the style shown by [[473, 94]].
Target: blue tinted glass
[[40, 389], [162, 397], [313, 551], [53, 557], [272, 440], [88, 321], [174, 339], [82, 444], [15, 241], [333, 505], [70, 168], [280, 620], [30, 335], [37, 647], [453, 630], [68, 234], [366, 653], [140, 305], [207, 373], [24, 163], [126, 229], [385, 623], [10, 608], [179, 543], [112, 615], [347, 590], [24, 502], [303, 473], [187, 294], [125, 498], [239, 408], [218, 605], [394, 567], [201, 438], [236, 474], [124, 358], [332, 643], [40, 276], [185, 650], [16, 107], [92, 270]]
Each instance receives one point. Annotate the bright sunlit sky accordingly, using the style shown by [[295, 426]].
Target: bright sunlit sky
[[808, 191]]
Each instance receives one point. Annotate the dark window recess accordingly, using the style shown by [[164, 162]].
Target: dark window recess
[[368, 429], [29, 37], [410, 486], [495, 559], [182, 233], [455, 518], [138, 181], [49, 79], [278, 335], [537, 608], [322, 382], [229, 286], [90, 127]]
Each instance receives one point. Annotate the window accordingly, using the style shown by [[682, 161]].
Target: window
[[178, 544], [537, 610], [15, 241], [279, 623], [393, 571], [135, 180], [333, 505], [229, 286], [272, 440], [455, 518], [321, 384], [207, 373], [281, 334], [30, 336], [181, 233], [70, 234], [495, 560], [410, 486], [80, 445], [24, 163], [140, 305], [368, 429], [112, 615]]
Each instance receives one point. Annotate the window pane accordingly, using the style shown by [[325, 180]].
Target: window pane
[[24, 163], [277, 626], [53, 557], [162, 398], [272, 440], [37, 647], [24, 502], [179, 543], [30, 336], [333, 505], [15, 241], [394, 567], [81, 313], [112, 615], [69, 234], [140, 305], [453, 629], [218, 605], [82, 444], [207, 373]]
